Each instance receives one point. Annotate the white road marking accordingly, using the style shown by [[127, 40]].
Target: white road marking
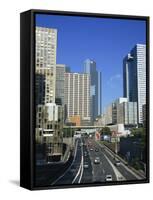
[[80, 171], [117, 173], [69, 166], [129, 170]]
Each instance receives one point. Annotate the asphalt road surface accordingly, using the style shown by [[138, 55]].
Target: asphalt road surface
[[84, 169]]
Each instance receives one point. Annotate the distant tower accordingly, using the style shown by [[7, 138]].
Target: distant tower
[[95, 87]]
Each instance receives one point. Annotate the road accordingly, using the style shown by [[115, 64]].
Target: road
[[84, 169]]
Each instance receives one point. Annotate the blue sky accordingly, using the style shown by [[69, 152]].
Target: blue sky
[[107, 41]]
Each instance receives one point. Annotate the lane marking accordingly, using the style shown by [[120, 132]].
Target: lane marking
[[69, 166], [81, 167], [129, 170], [91, 160], [117, 173]]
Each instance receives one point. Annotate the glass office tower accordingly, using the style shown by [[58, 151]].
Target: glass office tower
[[95, 87], [134, 77]]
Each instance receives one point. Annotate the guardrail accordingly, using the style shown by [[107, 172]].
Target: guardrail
[[124, 162]]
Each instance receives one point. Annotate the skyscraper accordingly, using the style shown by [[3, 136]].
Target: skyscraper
[[49, 116], [77, 96], [134, 77], [95, 87], [46, 45]]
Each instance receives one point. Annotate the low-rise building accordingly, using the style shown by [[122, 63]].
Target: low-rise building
[[121, 111], [75, 119], [49, 129]]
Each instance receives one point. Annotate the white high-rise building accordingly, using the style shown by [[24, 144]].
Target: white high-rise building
[[77, 96], [49, 116], [122, 112], [45, 58], [134, 78]]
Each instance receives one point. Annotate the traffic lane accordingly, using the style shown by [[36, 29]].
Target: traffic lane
[[107, 168], [71, 173], [126, 173], [106, 165], [87, 172], [97, 169], [121, 168], [104, 168]]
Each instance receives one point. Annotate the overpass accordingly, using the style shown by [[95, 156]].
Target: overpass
[[82, 127]]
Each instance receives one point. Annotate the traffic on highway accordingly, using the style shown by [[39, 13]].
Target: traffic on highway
[[93, 162]]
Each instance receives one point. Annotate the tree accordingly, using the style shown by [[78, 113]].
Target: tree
[[105, 131], [140, 133]]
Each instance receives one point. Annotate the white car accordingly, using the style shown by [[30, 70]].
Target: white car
[[108, 177], [97, 160], [117, 163], [86, 166]]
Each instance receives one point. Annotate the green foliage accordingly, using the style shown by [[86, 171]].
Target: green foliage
[[140, 133], [105, 130], [68, 132]]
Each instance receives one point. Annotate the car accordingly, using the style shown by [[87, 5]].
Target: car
[[86, 166], [97, 160], [91, 149], [120, 178], [108, 177], [96, 149], [81, 144], [117, 163], [85, 153]]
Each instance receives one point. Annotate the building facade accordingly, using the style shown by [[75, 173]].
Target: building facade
[[49, 116], [95, 87], [134, 78], [60, 72], [49, 128], [121, 112], [127, 114], [100, 121], [76, 119], [77, 96], [46, 47], [108, 115]]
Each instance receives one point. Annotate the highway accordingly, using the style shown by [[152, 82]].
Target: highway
[[84, 169]]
